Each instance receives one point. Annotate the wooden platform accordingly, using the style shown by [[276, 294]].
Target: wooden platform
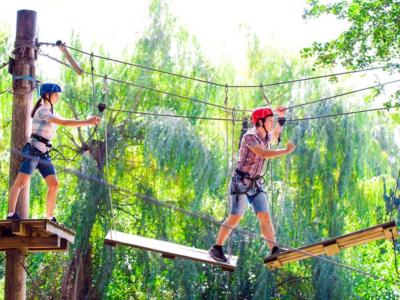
[[167, 249], [334, 245], [38, 235]]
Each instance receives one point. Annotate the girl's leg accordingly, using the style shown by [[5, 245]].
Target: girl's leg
[[20, 182], [52, 184]]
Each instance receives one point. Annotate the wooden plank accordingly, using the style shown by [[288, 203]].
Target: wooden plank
[[349, 237], [39, 224], [167, 249], [29, 242], [64, 245], [319, 249], [298, 252], [37, 227], [56, 229], [363, 240], [5, 223], [333, 246], [20, 229], [305, 253], [389, 234], [332, 249]]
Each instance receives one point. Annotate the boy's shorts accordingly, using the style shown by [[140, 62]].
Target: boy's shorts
[[255, 196]]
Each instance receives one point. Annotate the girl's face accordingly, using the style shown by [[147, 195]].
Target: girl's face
[[54, 98]]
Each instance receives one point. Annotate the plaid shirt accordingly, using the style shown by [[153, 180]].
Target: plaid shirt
[[250, 162]]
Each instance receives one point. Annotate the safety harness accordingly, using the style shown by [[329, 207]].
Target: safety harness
[[255, 183], [44, 141]]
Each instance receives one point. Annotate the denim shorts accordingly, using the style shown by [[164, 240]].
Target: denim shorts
[[34, 159], [255, 196]]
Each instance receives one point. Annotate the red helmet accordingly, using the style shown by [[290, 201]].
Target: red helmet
[[260, 113]]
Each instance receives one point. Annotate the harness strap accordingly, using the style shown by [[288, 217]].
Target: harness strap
[[42, 140], [244, 175]]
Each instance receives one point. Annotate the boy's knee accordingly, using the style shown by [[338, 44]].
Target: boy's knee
[[264, 217]]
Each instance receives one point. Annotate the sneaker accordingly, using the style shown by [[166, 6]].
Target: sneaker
[[14, 216], [217, 253], [277, 250]]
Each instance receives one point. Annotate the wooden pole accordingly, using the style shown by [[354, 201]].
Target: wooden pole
[[74, 64], [23, 71]]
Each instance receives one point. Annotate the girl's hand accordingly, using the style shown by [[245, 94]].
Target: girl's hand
[[290, 147], [93, 120]]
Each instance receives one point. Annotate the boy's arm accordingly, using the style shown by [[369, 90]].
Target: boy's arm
[[269, 153], [276, 132]]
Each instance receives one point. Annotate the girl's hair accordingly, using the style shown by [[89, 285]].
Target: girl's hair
[[39, 104]]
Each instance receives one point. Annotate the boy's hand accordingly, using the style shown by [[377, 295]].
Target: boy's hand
[[281, 111]]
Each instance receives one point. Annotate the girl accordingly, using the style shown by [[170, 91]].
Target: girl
[[36, 150]]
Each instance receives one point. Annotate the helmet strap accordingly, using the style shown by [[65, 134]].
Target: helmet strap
[[48, 99], [266, 131]]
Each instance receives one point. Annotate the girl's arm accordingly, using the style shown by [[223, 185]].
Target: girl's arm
[[75, 123]]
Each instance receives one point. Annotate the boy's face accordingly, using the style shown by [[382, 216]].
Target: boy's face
[[269, 123]]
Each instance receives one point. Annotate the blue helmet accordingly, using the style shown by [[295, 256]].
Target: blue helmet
[[49, 88]]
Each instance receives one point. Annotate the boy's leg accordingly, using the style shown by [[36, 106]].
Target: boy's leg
[[260, 206], [237, 206], [226, 228], [266, 228]]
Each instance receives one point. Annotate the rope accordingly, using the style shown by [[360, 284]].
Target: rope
[[344, 114], [93, 86], [237, 120], [140, 86], [37, 287], [271, 182], [315, 77], [227, 162], [397, 183], [394, 251], [265, 95], [394, 195], [20, 94], [161, 114], [223, 85], [106, 150], [344, 94], [4, 64], [219, 106]]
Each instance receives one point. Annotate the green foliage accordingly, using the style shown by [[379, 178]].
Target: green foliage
[[372, 35], [331, 185], [180, 153]]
